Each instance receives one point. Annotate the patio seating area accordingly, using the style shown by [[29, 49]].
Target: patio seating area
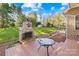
[[31, 49], [54, 30]]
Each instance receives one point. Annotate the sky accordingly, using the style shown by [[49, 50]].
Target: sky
[[43, 8]]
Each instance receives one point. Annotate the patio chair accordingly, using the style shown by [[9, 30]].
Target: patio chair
[[58, 37]]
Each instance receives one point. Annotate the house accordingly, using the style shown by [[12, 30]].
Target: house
[[72, 17]]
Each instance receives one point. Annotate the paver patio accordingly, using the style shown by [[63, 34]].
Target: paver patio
[[68, 48]]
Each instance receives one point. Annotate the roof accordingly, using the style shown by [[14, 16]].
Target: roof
[[74, 11], [72, 5]]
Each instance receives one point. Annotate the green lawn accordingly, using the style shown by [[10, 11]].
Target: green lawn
[[8, 35], [40, 31], [11, 34]]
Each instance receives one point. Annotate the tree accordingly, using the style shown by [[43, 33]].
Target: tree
[[33, 18], [21, 18], [58, 20], [3, 14]]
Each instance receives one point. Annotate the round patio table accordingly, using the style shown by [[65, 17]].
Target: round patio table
[[46, 42]]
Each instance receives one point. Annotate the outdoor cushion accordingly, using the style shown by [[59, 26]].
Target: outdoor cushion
[[59, 37]]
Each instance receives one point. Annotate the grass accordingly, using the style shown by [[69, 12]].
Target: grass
[[41, 31], [11, 34]]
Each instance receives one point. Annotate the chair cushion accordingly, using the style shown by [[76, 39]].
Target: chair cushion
[[60, 37]]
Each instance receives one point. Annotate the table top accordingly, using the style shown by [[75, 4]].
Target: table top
[[46, 41]]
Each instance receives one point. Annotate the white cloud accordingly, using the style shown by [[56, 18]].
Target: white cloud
[[31, 5], [62, 8], [34, 6], [39, 5], [35, 9], [64, 3], [52, 8], [44, 14], [26, 13]]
